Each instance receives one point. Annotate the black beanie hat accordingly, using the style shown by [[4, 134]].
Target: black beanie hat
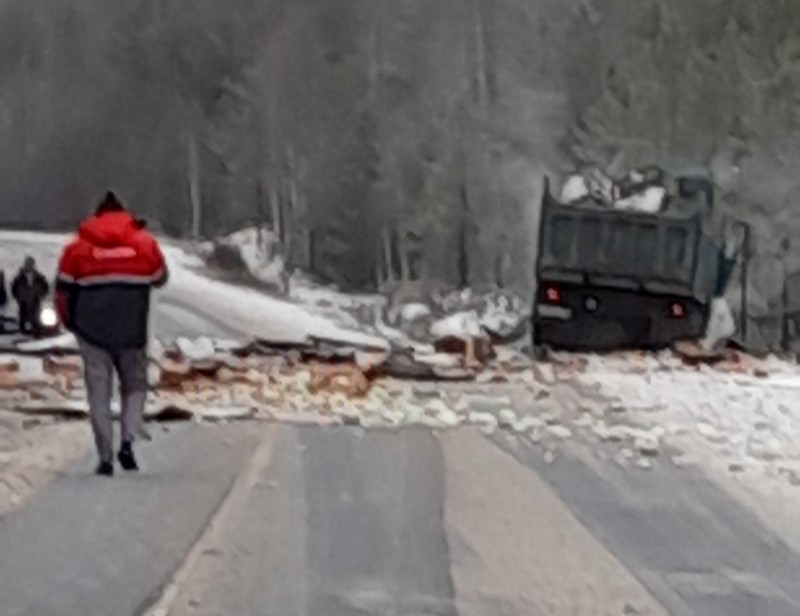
[[110, 203]]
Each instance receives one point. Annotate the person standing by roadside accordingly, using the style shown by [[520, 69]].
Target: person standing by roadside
[[29, 288], [103, 289]]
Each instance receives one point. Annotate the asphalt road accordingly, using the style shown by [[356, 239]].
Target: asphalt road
[[256, 518]]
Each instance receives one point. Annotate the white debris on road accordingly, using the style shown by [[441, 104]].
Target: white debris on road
[[462, 325], [738, 422], [734, 415]]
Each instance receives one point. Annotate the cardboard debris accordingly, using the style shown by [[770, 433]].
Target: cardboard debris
[[339, 378], [174, 374], [9, 378], [9, 364], [61, 409], [169, 414], [693, 353], [69, 366], [478, 349]]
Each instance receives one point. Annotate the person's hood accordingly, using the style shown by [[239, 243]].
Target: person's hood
[[108, 230]]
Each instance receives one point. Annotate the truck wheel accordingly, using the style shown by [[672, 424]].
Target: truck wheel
[[541, 352]]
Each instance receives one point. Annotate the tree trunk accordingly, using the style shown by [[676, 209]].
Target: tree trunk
[[387, 255], [463, 256], [481, 72], [195, 187], [405, 264], [275, 207], [292, 204]]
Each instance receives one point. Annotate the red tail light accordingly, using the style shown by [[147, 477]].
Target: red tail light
[[677, 310], [553, 295]]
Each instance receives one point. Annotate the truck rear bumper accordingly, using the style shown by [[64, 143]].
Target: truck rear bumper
[[619, 319]]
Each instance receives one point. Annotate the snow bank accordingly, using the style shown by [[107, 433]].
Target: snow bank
[[249, 312], [44, 247], [259, 251], [245, 311]]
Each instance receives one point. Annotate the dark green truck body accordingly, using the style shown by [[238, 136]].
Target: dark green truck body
[[613, 279]]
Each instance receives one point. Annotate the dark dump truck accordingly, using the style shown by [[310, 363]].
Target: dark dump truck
[[608, 278]]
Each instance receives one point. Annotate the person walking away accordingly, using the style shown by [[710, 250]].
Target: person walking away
[[29, 289], [105, 277]]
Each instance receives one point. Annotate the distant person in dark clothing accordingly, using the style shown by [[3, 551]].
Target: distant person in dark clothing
[[3, 291], [29, 288], [103, 295]]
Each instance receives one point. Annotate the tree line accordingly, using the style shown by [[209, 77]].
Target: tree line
[[388, 143]]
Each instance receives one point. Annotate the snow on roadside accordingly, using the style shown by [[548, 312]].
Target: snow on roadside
[[738, 417], [259, 251], [249, 312], [738, 424], [44, 247], [349, 310]]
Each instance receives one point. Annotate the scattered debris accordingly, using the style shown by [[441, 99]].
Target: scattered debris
[[66, 343], [69, 366], [195, 350], [62, 409], [410, 313], [721, 325], [252, 252], [463, 326], [575, 189], [485, 421], [649, 201], [474, 350], [305, 419], [526, 424], [170, 414], [503, 317], [623, 456], [561, 432], [507, 419], [694, 353], [339, 378], [647, 445]]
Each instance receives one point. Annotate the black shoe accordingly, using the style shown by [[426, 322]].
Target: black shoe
[[126, 458], [106, 469]]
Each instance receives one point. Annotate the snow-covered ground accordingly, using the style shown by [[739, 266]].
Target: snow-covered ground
[[737, 423], [248, 312]]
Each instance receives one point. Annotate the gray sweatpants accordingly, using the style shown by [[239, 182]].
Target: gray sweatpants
[[131, 367]]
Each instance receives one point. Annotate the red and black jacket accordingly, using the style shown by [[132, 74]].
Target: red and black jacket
[[104, 281]]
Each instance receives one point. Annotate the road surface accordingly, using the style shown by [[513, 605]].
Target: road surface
[[258, 518]]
